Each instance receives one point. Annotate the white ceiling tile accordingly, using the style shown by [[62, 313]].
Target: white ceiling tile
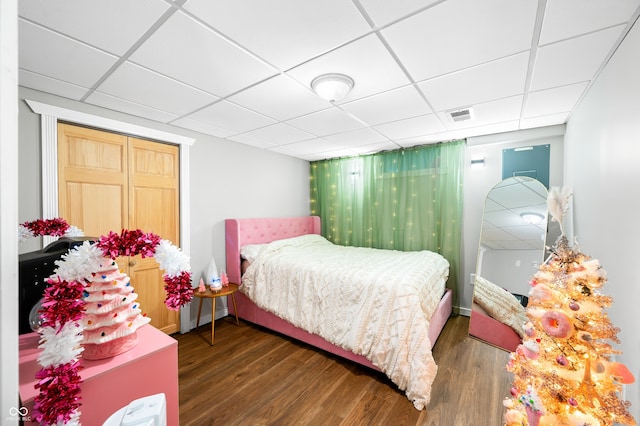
[[211, 64], [281, 98], [277, 134], [366, 61], [247, 139], [123, 105], [497, 111], [389, 106], [416, 126], [568, 18], [201, 127], [544, 120], [552, 101], [498, 79], [375, 147], [460, 33], [326, 122], [284, 32], [565, 62], [230, 116], [382, 12], [61, 58], [145, 87], [98, 19], [358, 137], [312, 146], [50, 85]]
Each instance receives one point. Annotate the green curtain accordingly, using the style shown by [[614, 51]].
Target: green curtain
[[409, 199]]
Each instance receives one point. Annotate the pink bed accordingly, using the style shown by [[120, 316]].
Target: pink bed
[[241, 232]]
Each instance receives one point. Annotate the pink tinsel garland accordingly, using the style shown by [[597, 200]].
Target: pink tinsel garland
[[47, 227]]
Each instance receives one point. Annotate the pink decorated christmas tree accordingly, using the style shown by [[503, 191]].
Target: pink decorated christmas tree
[[112, 313], [564, 370]]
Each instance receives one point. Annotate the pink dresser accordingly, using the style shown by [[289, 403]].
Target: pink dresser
[[149, 368]]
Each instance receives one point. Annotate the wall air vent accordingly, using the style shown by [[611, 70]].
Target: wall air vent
[[461, 115]]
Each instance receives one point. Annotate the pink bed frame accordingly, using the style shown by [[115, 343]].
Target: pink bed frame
[[492, 331], [240, 232]]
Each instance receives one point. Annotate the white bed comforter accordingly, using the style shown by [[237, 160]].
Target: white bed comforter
[[376, 303]]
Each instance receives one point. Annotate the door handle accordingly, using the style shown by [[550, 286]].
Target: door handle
[[132, 263]]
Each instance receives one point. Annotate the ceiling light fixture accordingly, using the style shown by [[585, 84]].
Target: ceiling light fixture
[[332, 87], [531, 217]]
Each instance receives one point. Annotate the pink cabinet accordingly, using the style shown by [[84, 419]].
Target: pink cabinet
[[149, 368]]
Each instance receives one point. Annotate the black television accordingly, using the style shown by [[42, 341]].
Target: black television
[[33, 270]]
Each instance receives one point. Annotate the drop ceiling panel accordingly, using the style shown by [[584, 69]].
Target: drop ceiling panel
[[389, 106], [497, 79], [457, 34], [552, 101], [51, 85], [231, 117], [281, 98], [564, 63], [276, 134], [498, 111], [123, 105], [326, 122], [358, 137], [202, 127], [99, 19], [366, 61], [139, 85], [212, 64], [287, 32], [61, 58], [568, 18], [416, 126], [384, 12]]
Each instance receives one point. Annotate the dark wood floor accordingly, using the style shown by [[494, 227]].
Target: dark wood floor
[[252, 376]]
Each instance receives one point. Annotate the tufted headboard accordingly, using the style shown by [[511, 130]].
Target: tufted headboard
[[239, 232]]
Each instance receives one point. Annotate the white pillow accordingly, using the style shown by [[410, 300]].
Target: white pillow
[[251, 251]]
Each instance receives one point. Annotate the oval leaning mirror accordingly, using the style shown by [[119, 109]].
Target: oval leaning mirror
[[512, 247]]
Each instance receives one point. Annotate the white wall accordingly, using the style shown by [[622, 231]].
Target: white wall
[[9, 211], [227, 180], [602, 148], [479, 181]]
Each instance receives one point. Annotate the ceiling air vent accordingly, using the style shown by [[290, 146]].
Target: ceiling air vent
[[461, 115]]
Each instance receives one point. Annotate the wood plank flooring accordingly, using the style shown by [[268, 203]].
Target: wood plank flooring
[[252, 376]]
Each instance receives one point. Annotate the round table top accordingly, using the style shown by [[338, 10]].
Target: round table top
[[224, 291]]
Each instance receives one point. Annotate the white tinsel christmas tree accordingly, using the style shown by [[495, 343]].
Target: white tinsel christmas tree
[[564, 373]]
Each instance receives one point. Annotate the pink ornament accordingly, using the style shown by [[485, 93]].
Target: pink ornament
[[201, 287], [557, 324], [224, 279]]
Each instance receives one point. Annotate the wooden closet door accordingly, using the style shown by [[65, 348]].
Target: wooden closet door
[[154, 207], [109, 182]]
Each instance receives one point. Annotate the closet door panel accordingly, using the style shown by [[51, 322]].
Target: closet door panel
[[154, 207], [93, 187]]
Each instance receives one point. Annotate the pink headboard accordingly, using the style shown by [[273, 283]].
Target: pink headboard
[[240, 232]]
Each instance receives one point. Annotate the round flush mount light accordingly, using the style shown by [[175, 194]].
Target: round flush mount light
[[532, 217], [332, 87]]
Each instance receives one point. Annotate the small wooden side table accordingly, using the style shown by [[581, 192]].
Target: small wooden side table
[[213, 295]]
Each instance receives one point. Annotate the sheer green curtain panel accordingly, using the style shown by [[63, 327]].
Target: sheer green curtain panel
[[409, 199]]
